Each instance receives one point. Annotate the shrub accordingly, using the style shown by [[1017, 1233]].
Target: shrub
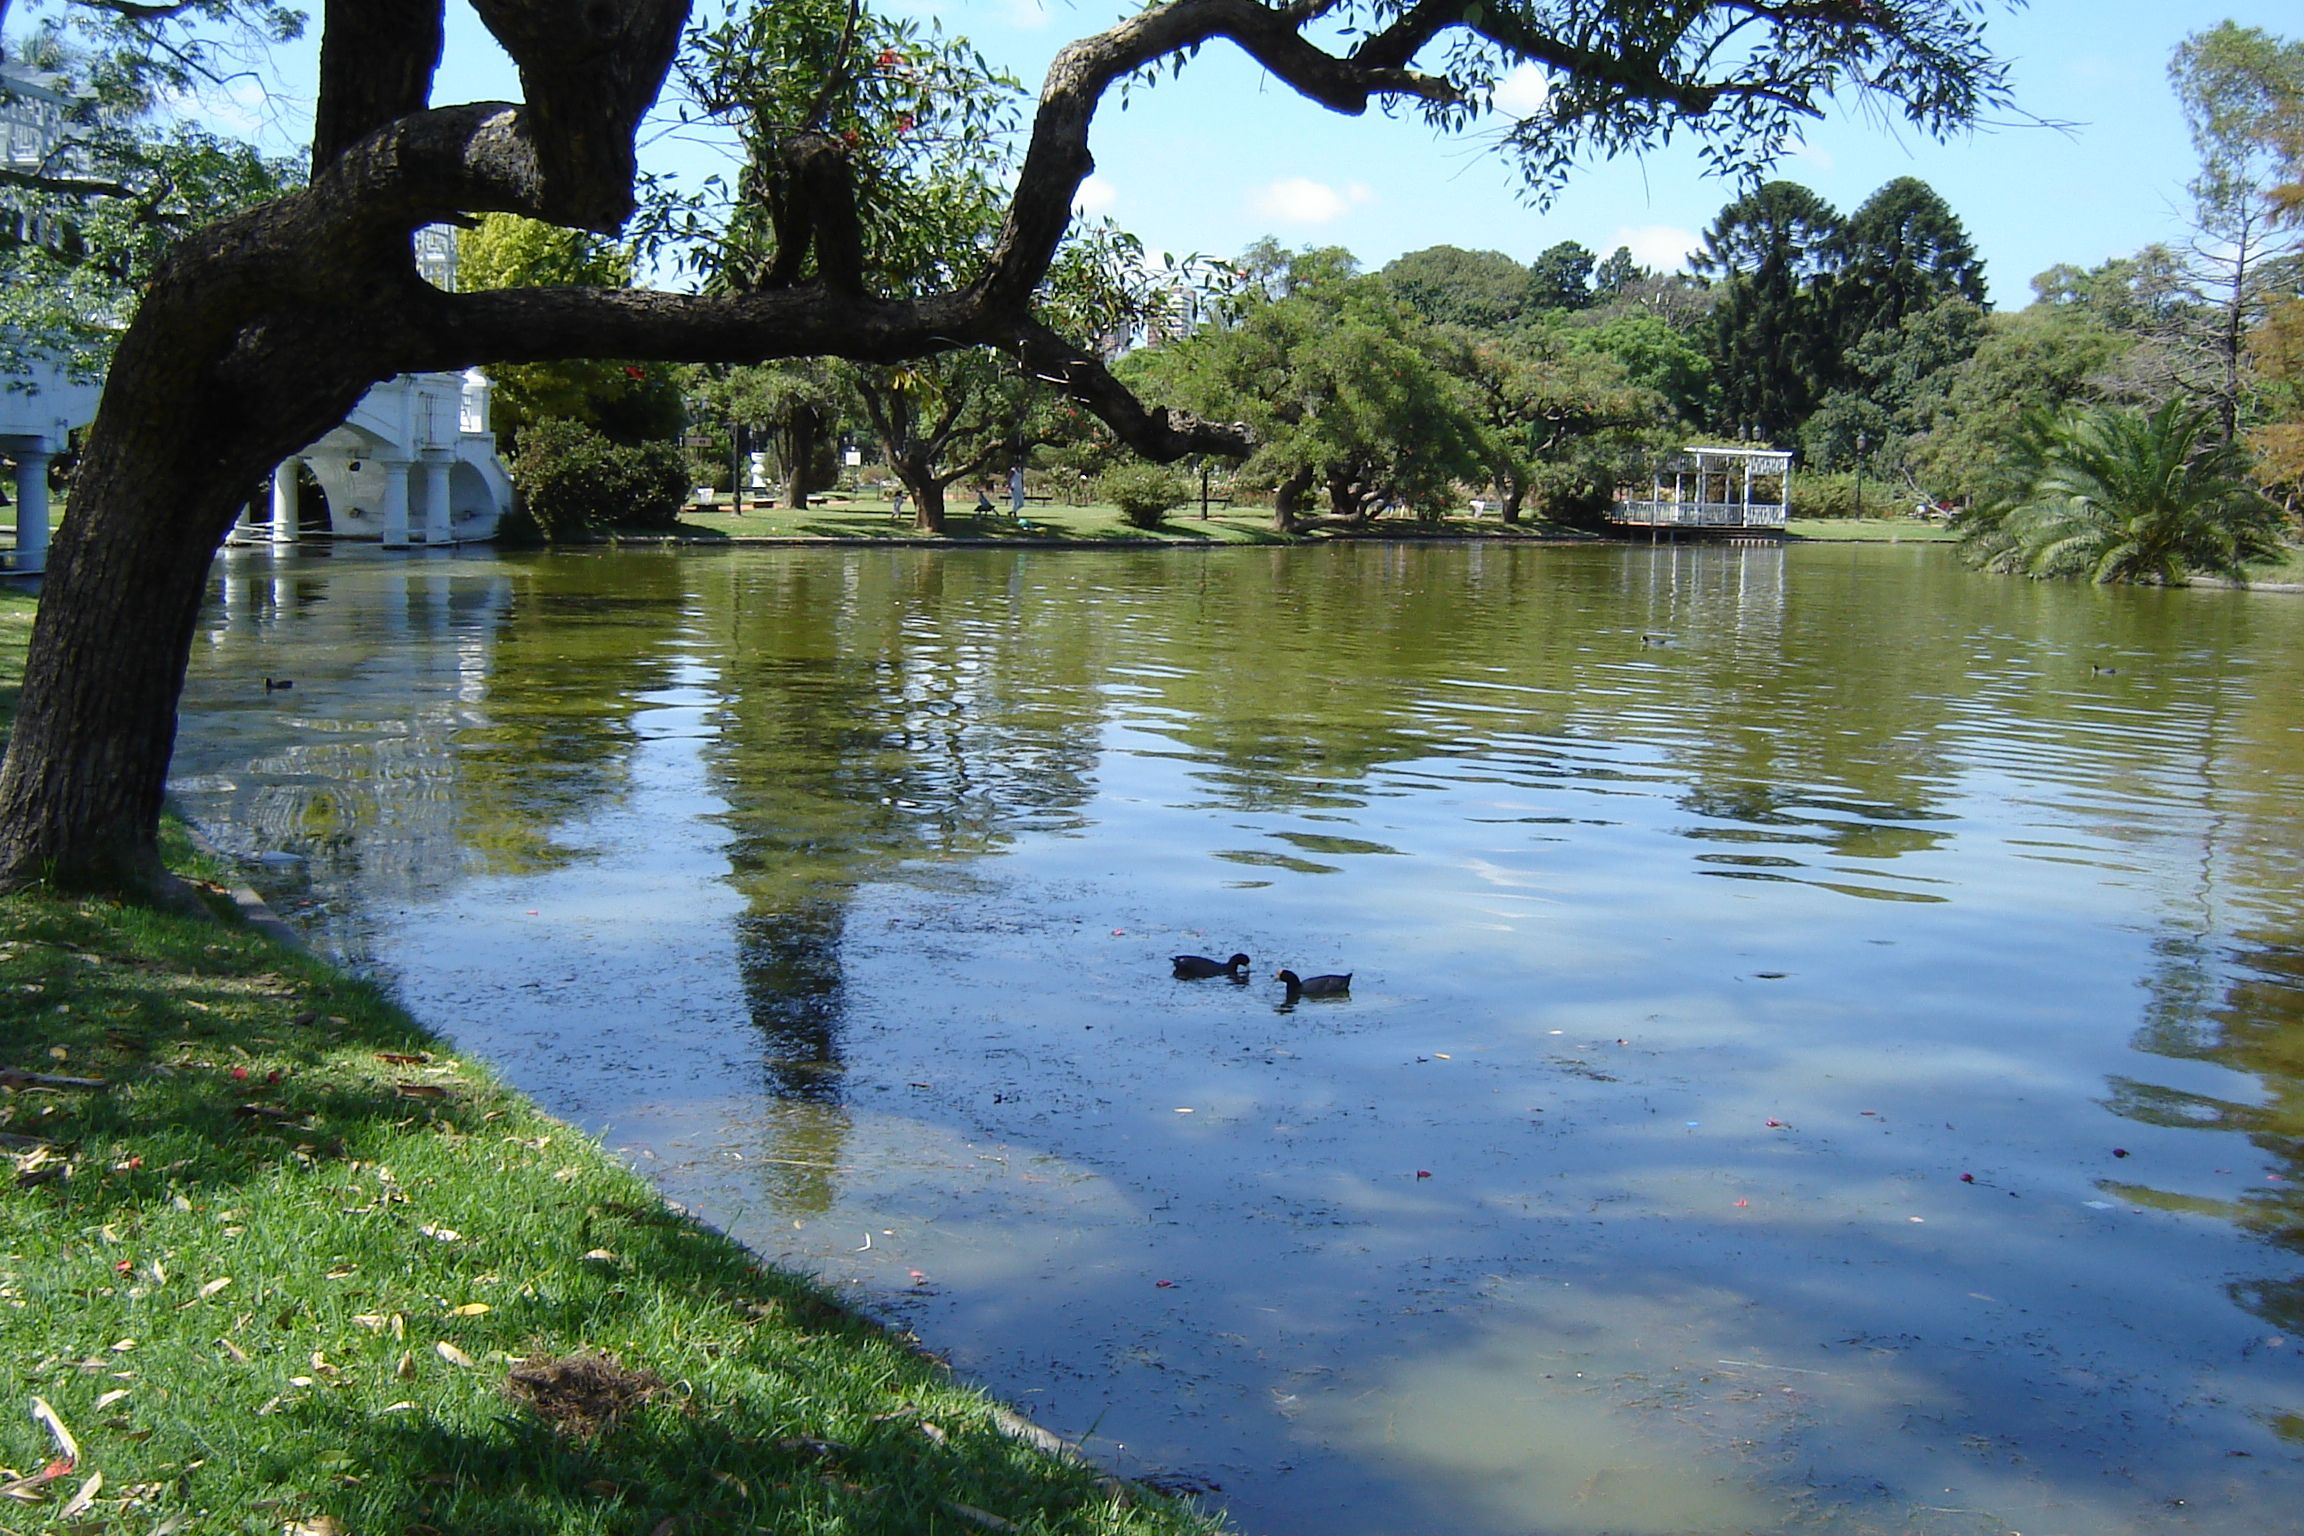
[[2115, 494], [575, 484], [1816, 494], [1144, 492]]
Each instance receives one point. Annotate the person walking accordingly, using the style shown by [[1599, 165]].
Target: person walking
[[1016, 492]]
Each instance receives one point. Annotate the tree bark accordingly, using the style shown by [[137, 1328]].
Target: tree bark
[[87, 762], [1288, 501], [802, 432], [917, 472]]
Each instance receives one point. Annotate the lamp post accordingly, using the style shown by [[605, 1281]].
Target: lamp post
[[1860, 446]]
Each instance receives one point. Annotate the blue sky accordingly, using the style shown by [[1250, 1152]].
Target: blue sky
[[1211, 161], [1228, 156]]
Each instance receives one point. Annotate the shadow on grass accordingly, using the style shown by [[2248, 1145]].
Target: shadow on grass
[[275, 1266]]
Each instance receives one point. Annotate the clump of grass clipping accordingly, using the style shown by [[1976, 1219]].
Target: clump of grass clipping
[[272, 1259]]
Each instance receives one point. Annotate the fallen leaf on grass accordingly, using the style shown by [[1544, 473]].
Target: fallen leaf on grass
[[317, 1525], [111, 1397], [422, 1091], [452, 1354], [77, 1505], [469, 1309], [404, 1058], [66, 1447], [441, 1234], [26, 1490], [215, 1285], [234, 1350]]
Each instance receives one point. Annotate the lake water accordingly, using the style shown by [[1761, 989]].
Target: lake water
[[1825, 1048]]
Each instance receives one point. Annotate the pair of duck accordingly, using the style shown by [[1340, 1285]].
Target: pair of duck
[[1200, 968]]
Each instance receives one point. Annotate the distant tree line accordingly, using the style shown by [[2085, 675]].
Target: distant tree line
[[1864, 341]]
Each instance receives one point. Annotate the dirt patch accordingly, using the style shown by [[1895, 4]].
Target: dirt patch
[[581, 1396]]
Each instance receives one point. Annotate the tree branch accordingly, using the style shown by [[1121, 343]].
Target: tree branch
[[1163, 435], [377, 59], [589, 74]]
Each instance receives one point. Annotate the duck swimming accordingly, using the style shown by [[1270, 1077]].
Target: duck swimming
[[1200, 967], [1314, 986]]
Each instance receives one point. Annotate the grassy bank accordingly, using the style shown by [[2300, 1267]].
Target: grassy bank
[[1869, 530], [866, 519], [273, 1259]]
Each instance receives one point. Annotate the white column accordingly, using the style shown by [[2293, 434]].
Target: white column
[[284, 528], [395, 509], [439, 526], [31, 509]]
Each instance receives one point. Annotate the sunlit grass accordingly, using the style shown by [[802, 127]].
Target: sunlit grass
[[2287, 571], [1870, 530], [869, 519], [16, 610]]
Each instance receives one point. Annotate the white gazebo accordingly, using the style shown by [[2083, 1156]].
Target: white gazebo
[[1704, 489]]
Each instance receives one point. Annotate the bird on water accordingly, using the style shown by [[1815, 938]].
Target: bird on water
[[1314, 986], [1200, 967], [275, 684]]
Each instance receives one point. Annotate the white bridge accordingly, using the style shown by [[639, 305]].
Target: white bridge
[[39, 409], [415, 463]]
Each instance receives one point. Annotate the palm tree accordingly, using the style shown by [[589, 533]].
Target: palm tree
[[2115, 494]]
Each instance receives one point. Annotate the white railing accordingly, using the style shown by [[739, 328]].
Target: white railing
[[1696, 514]]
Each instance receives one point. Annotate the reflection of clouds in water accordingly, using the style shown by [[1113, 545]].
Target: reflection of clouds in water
[[830, 844]]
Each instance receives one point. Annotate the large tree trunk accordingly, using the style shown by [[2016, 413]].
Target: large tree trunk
[[921, 482], [262, 332], [803, 431], [1288, 501], [1515, 491], [174, 448]]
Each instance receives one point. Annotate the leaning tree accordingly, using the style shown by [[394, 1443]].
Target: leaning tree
[[260, 331]]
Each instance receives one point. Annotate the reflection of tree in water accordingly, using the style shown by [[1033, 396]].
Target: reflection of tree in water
[[1776, 814], [2251, 1022], [791, 967], [874, 713]]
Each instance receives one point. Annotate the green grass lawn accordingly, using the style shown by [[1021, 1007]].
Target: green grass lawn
[[274, 1259], [867, 519], [2288, 571], [1869, 530]]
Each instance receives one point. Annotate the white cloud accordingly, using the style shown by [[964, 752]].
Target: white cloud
[[1301, 200], [1523, 92], [1801, 149], [1658, 247], [1096, 195]]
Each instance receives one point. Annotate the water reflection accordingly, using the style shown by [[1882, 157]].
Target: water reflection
[[1821, 1051]]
